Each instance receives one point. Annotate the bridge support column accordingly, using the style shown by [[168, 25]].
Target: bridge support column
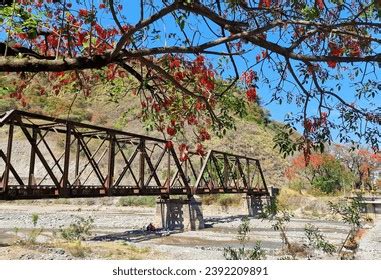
[[256, 204], [179, 214]]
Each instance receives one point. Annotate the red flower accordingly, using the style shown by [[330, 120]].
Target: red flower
[[204, 135], [200, 60], [248, 77], [258, 58], [251, 94], [309, 125], [331, 64], [23, 36], [102, 33], [207, 83], [192, 120], [83, 13], [179, 76], [171, 131], [264, 4], [200, 105], [200, 149], [102, 6], [169, 145], [175, 63], [354, 50], [319, 4], [335, 49], [184, 150]]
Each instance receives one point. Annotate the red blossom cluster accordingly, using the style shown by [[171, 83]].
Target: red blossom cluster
[[300, 162], [311, 125], [251, 94], [248, 77], [335, 50], [319, 4], [200, 149], [184, 151], [264, 4]]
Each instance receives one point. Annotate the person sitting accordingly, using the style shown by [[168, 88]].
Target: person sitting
[[151, 227]]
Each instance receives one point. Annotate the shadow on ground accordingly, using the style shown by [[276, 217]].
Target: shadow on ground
[[209, 222], [134, 236], [144, 235]]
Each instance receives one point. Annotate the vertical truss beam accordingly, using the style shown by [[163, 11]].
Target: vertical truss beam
[[65, 187], [32, 162], [8, 160], [111, 163]]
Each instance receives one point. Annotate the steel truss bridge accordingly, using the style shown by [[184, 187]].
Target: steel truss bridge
[[62, 158]]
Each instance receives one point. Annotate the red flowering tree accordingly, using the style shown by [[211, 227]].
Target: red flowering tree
[[362, 163], [179, 52], [322, 171]]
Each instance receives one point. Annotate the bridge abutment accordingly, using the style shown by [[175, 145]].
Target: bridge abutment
[[179, 214]]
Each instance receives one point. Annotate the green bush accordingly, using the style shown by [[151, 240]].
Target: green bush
[[330, 177], [243, 253], [78, 230]]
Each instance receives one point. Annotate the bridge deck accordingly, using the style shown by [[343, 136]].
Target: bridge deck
[[63, 158]]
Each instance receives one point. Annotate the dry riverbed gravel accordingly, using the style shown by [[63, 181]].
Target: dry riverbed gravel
[[118, 233]]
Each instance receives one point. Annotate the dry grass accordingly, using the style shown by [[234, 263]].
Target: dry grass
[[77, 249], [105, 250], [306, 204], [223, 200]]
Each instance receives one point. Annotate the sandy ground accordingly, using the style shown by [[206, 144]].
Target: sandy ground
[[119, 234], [370, 246]]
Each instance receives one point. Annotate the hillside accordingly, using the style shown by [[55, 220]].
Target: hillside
[[253, 135]]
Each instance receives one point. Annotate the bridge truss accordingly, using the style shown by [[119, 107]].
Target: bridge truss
[[63, 158]]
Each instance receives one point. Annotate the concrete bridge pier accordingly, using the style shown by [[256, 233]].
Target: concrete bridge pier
[[179, 214], [255, 204]]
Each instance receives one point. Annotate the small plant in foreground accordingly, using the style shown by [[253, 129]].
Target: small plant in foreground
[[243, 253], [35, 218], [78, 230], [316, 240], [351, 214], [280, 218], [31, 237]]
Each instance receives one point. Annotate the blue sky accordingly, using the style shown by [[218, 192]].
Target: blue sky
[[278, 112]]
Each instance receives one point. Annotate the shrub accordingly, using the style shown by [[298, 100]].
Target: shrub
[[148, 201], [316, 240], [78, 230], [243, 253], [226, 200], [77, 250], [31, 237]]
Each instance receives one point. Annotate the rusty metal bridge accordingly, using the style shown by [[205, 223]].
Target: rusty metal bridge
[[62, 158]]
